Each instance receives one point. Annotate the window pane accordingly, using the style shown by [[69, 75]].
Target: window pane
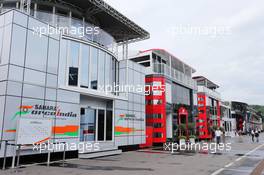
[[113, 72], [37, 47], [101, 70], [74, 63], [85, 66], [73, 76], [94, 68], [107, 70], [109, 125], [74, 54], [101, 122], [63, 62]]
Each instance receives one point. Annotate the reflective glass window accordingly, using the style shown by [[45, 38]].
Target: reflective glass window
[[101, 125], [107, 70], [63, 62], [101, 70], [94, 68], [74, 54], [85, 66], [109, 125], [74, 63]]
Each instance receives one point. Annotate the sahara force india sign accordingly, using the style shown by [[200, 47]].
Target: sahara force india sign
[[67, 124], [43, 109]]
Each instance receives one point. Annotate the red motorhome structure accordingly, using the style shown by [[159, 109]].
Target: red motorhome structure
[[167, 110], [208, 107], [156, 108]]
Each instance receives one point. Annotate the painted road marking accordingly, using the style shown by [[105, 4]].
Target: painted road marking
[[236, 170], [228, 165], [217, 171], [237, 160]]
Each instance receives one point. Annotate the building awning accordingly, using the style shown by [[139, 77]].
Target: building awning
[[110, 20]]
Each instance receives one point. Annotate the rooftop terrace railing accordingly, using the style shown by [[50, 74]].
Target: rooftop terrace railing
[[101, 38], [209, 92], [175, 75]]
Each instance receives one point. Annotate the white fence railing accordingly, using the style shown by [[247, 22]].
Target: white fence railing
[[209, 92], [175, 75]]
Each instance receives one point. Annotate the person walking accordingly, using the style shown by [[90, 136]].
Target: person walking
[[240, 138], [257, 135], [223, 136], [253, 135], [218, 134]]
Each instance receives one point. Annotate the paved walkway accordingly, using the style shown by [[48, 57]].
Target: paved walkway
[[242, 159], [248, 163]]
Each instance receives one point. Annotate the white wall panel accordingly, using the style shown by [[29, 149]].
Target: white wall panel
[[14, 88], [15, 73]]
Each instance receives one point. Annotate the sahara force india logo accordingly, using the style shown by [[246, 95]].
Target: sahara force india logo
[[121, 130], [42, 109]]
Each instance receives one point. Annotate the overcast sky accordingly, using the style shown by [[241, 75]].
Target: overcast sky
[[233, 58]]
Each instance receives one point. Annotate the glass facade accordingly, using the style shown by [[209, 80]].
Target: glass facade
[[88, 66], [181, 95]]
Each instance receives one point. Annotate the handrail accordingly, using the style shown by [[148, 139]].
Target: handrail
[[17, 154], [5, 150]]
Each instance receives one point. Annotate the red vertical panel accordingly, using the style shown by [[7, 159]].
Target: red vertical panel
[[157, 109], [218, 114], [203, 119]]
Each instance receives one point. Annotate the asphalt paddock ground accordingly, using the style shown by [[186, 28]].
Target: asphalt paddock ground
[[152, 162]]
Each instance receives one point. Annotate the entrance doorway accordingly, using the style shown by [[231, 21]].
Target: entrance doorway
[[88, 124], [183, 122], [96, 124]]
